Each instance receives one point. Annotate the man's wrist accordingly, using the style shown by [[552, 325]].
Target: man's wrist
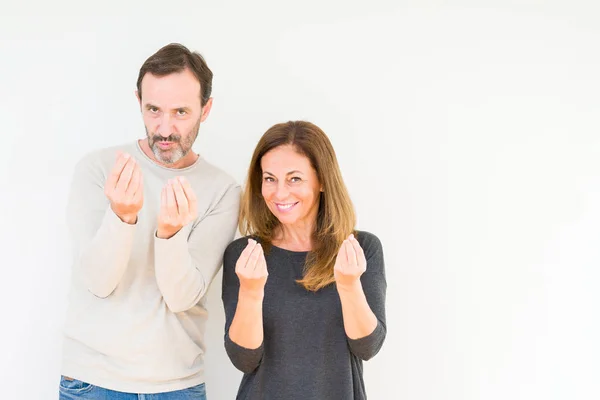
[[128, 219], [165, 233]]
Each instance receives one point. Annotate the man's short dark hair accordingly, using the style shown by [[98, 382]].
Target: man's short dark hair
[[174, 58]]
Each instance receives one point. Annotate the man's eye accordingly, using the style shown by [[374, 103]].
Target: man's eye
[[181, 112], [153, 109]]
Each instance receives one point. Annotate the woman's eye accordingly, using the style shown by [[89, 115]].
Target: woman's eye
[[268, 179], [295, 179]]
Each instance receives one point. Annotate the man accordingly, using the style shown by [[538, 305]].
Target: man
[[150, 221]]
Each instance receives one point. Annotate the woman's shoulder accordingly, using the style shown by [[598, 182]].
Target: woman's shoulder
[[369, 242], [240, 242], [235, 248], [367, 238]]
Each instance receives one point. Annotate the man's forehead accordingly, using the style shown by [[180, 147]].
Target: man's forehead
[[175, 87]]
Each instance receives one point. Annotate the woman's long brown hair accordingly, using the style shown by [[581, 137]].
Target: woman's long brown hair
[[335, 218]]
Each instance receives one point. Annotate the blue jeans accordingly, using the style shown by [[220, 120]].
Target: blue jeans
[[73, 389]]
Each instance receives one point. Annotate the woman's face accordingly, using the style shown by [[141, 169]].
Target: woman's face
[[290, 186]]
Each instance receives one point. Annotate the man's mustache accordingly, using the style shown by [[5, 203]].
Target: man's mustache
[[170, 138]]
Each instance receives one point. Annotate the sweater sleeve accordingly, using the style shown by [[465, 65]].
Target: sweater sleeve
[[246, 360], [101, 241], [185, 266], [374, 286]]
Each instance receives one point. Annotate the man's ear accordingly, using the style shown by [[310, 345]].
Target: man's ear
[[206, 109], [137, 96]]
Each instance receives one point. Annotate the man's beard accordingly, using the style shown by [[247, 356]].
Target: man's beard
[[178, 150]]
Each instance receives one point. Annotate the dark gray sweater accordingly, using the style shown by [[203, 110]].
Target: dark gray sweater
[[305, 353]]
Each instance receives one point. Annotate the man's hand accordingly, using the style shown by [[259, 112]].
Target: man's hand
[[124, 188], [177, 207]]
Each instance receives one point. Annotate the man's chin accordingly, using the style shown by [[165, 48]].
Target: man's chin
[[167, 161], [165, 156]]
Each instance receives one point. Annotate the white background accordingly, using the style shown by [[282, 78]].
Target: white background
[[467, 132]]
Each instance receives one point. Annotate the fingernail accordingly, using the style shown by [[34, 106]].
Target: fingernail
[[126, 155]]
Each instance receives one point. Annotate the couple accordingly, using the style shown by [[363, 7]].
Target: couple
[[151, 224]]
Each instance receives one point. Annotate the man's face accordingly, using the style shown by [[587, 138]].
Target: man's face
[[172, 114]]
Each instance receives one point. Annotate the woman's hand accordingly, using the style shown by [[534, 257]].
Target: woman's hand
[[350, 264], [251, 269]]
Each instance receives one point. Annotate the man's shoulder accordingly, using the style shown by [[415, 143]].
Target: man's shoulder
[[104, 157], [217, 175]]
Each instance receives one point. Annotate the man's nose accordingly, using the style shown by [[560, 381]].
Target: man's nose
[[165, 128]]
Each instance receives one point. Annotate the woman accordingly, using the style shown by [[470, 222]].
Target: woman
[[304, 293]]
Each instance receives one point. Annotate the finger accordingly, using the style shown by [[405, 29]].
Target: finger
[[263, 264], [125, 176], [260, 256], [341, 258], [254, 257], [345, 261], [139, 193], [115, 172], [135, 181], [190, 195], [163, 203], [171, 202], [360, 254], [182, 202], [243, 259], [187, 187], [351, 254]]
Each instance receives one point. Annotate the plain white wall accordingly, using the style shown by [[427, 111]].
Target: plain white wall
[[467, 132]]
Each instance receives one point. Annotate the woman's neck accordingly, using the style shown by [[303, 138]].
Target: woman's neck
[[294, 238]]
